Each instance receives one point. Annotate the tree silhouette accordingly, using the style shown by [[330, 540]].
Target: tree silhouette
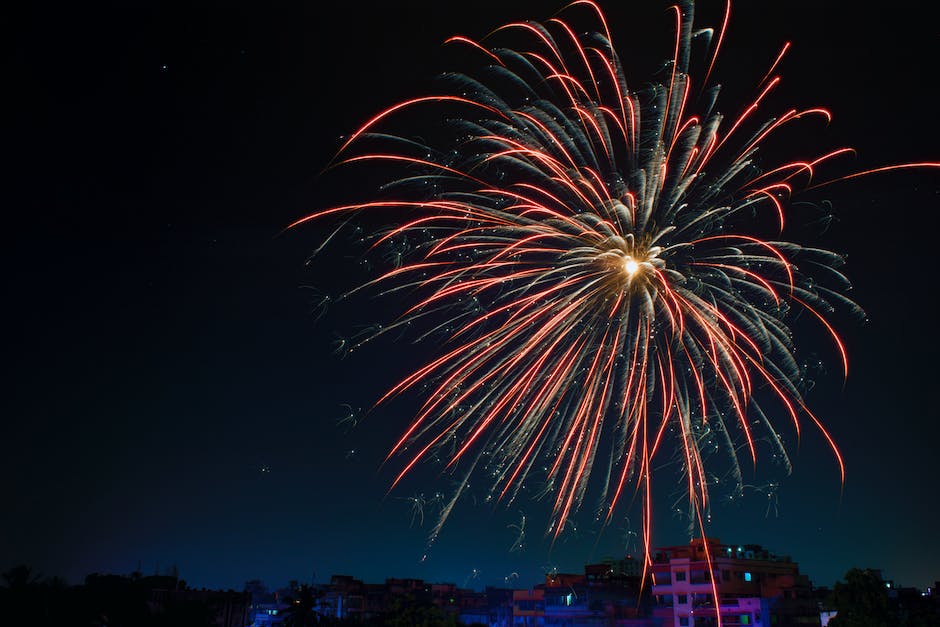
[[303, 606], [410, 612], [862, 601]]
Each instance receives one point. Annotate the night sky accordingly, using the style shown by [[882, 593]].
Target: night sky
[[171, 392]]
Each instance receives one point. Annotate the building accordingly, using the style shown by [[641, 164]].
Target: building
[[265, 606], [348, 598], [605, 594], [493, 607], [528, 607], [752, 586], [225, 608]]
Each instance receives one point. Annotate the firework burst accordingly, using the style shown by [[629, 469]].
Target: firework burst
[[595, 262]]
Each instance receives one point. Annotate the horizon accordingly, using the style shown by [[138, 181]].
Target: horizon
[[173, 570]]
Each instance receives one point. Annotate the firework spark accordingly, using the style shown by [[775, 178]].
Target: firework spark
[[596, 260]]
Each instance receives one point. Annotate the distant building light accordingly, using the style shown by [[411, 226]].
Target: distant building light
[[747, 576]]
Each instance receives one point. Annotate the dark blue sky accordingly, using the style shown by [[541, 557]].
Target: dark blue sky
[[164, 344]]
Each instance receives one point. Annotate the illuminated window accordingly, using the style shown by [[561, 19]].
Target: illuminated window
[[747, 576], [745, 619]]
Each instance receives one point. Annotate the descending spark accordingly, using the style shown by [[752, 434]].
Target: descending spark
[[519, 543]]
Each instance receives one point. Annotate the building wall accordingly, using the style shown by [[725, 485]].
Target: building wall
[[752, 586]]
